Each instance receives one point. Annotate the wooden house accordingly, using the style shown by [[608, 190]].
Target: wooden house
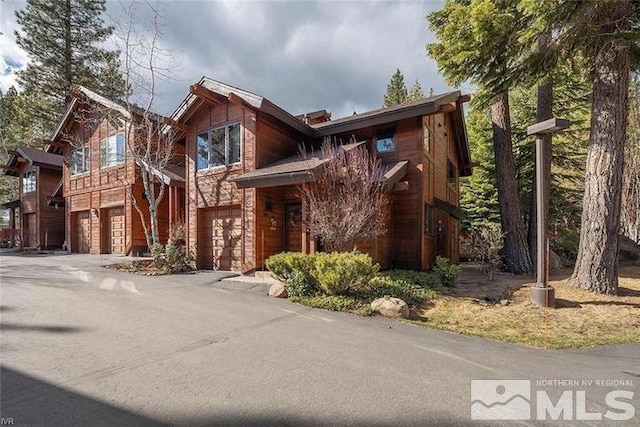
[[41, 216], [243, 169], [101, 183]]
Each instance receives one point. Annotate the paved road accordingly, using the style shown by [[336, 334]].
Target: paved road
[[81, 345]]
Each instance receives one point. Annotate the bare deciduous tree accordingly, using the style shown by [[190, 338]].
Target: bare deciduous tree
[[348, 202], [151, 142]]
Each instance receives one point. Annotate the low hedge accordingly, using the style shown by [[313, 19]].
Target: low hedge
[[348, 281]]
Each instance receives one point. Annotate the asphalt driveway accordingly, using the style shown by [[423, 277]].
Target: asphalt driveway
[[81, 345]]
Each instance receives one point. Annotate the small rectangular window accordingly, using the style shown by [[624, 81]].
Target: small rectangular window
[[234, 143], [452, 173], [79, 160], [385, 141], [426, 134], [202, 146], [29, 182], [219, 147], [112, 150], [428, 219]]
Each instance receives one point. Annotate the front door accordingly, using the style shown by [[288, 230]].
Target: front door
[[293, 227]]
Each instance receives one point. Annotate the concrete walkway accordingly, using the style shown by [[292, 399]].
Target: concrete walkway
[[82, 345]]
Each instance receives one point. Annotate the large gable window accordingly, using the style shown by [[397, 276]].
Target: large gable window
[[29, 182], [79, 160], [219, 146], [385, 141], [112, 150]]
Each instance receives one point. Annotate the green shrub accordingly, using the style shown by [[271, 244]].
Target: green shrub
[[172, 258], [382, 285], [420, 278], [335, 273], [298, 284], [336, 303], [338, 273], [284, 264], [446, 271]]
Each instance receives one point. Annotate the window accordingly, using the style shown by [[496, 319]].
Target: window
[[428, 219], [79, 160], [29, 182], [385, 141], [452, 173], [425, 134], [112, 150], [219, 147]]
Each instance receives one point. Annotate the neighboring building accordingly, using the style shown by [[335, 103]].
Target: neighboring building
[[41, 216], [101, 181], [243, 168]]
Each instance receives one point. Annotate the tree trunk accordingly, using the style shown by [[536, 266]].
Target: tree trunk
[[518, 259], [544, 111], [68, 51], [596, 268]]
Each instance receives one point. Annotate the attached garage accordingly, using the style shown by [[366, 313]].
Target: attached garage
[[220, 242], [114, 229], [82, 232]]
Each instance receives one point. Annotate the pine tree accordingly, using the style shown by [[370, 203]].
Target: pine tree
[[64, 41], [396, 90], [477, 42], [415, 92]]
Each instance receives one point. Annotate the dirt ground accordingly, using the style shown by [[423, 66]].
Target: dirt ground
[[502, 310]]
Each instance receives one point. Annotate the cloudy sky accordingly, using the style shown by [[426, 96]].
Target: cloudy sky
[[302, 55]]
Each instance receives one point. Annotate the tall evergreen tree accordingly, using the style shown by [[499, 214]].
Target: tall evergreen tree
[[631, 178], [396, 90], [605, 32], [415, 92], [477, 42], [65, 42]]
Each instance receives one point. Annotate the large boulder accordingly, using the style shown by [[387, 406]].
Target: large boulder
[[277, 290], [390, 307]]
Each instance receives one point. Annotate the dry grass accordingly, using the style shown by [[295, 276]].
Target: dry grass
[[580, 319]]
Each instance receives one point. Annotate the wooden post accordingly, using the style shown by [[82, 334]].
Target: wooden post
[[171, 220]]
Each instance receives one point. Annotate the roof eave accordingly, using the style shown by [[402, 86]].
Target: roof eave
[[386, 116]]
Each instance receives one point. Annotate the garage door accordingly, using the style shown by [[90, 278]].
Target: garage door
[[220, 239], [82, 229], [115, 232]]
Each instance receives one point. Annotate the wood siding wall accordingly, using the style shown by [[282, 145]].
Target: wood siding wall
[[47, 223], [102, 188], [263, 141]]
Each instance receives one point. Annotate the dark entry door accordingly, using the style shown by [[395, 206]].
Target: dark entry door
[[293, 227]]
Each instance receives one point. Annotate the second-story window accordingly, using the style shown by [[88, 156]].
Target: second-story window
[[29, 182], [452, 174], [385, 141], [112, 150], [219, 146], [79, 160]]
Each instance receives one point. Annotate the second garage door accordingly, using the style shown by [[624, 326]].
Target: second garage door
[[115, 231], [82, 230], [220, 242]]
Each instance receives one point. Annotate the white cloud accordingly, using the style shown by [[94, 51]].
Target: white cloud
[[302, 55], [12, 57]]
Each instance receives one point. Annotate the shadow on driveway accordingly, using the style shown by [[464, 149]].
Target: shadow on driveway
[[29, 401]]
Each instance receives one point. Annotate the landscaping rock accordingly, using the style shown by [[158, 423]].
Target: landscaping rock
[[277, 290], [390, 307]]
